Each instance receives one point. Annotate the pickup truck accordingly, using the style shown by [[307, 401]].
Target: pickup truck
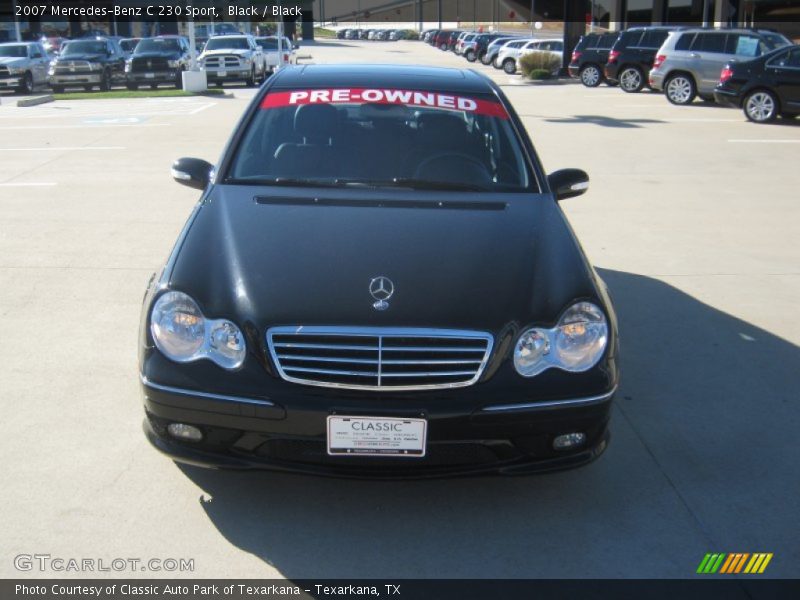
[[233, 58], [269, 46], [23, 65]]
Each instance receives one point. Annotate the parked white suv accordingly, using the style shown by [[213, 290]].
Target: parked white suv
[[509, 55], [689, 62]]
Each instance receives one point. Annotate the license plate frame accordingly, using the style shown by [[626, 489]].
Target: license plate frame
[[374, 437]]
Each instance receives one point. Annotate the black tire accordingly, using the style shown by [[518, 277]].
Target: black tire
[[509, 66], [484, 58], [27, 84], [591, 76], [761, 106], [132, 86], [251, 81], [88, 88], [470, 56], [631, 80], [153, 86], [496, 64], [105, 81], [680, 89], [57, 89], [443, 47]]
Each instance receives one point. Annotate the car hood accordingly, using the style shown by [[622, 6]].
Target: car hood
[[300, 258], [237, 52], [146, 55], [11, 61], [81, 57]]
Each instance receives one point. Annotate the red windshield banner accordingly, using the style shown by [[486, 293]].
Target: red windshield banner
[[413, 98]]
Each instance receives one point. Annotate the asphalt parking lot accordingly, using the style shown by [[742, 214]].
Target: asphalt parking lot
[[692, 218]]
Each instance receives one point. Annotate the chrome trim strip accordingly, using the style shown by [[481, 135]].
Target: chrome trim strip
[[381, 333], [572, 403], [205, 395]]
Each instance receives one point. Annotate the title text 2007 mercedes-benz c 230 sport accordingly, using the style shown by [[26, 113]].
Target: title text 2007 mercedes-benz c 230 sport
[[378, 281]]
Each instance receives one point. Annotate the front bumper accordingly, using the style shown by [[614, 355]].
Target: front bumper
[[77, 79], [237, 74], [256, 433], [10, 83], [153, 76]]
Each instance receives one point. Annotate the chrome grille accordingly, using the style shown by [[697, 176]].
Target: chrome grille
[[222, 61], [4, 73], [384, 359], [73, 66]]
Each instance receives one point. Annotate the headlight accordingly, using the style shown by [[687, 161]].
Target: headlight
[[183, 334], [127, 66], [173, 64], [95, 66], [575, 344], [16, 70]]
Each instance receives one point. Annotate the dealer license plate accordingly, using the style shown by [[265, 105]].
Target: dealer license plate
[[222, 73], [149, 75], [376, 436]]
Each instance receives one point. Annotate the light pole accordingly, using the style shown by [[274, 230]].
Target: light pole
[[533, 18], [16, 20]]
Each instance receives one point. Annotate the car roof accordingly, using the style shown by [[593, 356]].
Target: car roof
[[434, 79]]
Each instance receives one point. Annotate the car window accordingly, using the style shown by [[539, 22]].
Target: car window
[[35, 52], [157, 45], [381, 137], [794, 58], [654, 38], [710, 42], [83, 47], [607, 41], [743, 45], [630, 39], [17, 51], [224, 43], [685, 41], [786, 59]]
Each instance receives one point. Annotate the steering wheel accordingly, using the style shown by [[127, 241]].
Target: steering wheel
[[464, 168]]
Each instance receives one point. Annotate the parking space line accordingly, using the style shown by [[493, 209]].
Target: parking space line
[[22, 184], [743, 141], [201, 108], [64, 148], [84, 126]]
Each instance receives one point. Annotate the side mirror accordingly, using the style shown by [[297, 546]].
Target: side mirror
[[192, 172], [568, 183]]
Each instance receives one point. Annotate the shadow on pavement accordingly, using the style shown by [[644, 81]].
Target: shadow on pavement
[[702, 458], [604, 121]]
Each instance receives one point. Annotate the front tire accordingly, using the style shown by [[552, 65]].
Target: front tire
[[57, 89], [251, 81], [680, 89], [105, 82], [443, 47], [484, 58], [509, 66], [27, 84], [470, 56], [761, 106], [591, 76], [631, 80], [132, 86]]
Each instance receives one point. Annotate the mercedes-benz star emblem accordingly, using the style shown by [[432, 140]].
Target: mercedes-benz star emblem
[[381, 288]]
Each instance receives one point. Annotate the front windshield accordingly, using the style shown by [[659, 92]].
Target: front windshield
[[227, 43], [88, 47], [18, 51], [169, 45], [271, 43], [776, 40], [381, 137]]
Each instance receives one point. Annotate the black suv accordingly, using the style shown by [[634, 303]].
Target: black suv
[[157, 60], [88, 62], [482, 42], [590, 55], [633, 54]]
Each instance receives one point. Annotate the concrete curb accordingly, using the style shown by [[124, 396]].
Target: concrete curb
[[35, 101]]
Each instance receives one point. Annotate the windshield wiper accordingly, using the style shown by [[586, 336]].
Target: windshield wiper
[[416, 184]]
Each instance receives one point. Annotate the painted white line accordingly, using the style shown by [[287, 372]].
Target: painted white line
[[64, 148], [705, 120], [201, 108], [85, 126], [764, 141], [27, 184]]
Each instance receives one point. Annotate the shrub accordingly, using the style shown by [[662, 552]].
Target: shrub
[[411, 34], [539, 64]]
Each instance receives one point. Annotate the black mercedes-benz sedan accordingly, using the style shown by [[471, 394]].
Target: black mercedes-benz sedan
[[378, 281], [764, 87]]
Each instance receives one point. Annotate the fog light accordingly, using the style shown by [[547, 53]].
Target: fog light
[[569, 441], [188, 433]]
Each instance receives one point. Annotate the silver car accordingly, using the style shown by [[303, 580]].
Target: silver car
[[689, 62], [23, 65]]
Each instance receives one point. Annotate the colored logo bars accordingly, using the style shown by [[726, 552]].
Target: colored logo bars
[[734, 563]]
